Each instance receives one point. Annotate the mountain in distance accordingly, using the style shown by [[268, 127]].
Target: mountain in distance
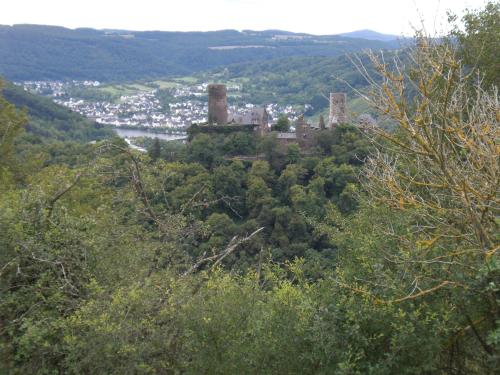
[[36, 52], [371, 35]]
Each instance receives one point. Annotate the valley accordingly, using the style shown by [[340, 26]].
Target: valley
[[167, 105], [290, 87], [248, 202]]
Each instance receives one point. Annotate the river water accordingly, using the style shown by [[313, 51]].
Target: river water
[[133, 133]]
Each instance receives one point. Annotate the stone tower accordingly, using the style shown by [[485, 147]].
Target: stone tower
[[217, 104], [337, 109]]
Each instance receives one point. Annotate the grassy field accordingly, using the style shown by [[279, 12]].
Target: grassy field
[[132, 88], [124, 89], [119, 90], [166, 84], [188, 80]]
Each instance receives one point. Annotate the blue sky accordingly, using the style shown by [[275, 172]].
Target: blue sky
[[310, 16]]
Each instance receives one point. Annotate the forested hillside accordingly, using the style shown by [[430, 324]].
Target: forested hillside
[[49, 122], [296, 80], [30, 52], [374, 252]]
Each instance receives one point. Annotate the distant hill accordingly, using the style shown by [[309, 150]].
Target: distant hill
[[33, 52], [49, 121], [295, 80], [371, 35]]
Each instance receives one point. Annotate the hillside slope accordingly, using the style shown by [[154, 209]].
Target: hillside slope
[[31, 52], [49, 121], [296, 80]]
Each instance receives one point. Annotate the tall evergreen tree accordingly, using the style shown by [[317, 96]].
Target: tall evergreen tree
[[155, 151]]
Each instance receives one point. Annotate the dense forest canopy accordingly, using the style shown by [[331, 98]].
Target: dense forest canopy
[[376, 252]]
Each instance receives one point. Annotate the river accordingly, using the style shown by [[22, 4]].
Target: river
[[133, 133]]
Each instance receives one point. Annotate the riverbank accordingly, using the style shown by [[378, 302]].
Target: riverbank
[[136, 133]]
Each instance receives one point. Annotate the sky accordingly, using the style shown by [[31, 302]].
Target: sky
[[398, 17]]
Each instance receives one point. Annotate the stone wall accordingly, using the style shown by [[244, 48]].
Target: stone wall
[[306, 134]]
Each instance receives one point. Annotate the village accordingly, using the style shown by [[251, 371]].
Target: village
[[186, 104]]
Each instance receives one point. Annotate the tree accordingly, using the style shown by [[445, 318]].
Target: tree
[[258, 195], [240, 143], [350, 145], [439, 176], [227, 185], [310, 200], [293, 174], [283, 124], [292, 153], [274, 154], [202, 149], [451, 138], [11, 125], [222, 230], [348, 198], [155, 151], [479, 41], [336, 177], [261, 168]]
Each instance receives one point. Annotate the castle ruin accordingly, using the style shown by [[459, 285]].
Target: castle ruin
[[256, 120], [217, 104], [257, 116], [337, 109]]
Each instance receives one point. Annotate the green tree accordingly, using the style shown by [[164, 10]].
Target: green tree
[[443, 235], [228, 187], [155, 151], [336, 177], [293, 174], [262, 169], [350, 145], [240, 143], [203, 150], [479, 42], [273, 152], [11, 124], [292, 153], [258, 195], [348, 198], [283, 124]]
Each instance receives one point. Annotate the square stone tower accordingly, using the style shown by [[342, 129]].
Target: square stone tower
[[217, 104], [337, 109]]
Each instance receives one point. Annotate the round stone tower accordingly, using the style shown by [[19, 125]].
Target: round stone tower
[[217, 104]]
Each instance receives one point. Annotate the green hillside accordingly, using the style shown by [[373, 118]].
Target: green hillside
[[49, 121], [31, 52], [295, 80]]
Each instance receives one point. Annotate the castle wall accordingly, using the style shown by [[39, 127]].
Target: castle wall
[[305, 133]]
